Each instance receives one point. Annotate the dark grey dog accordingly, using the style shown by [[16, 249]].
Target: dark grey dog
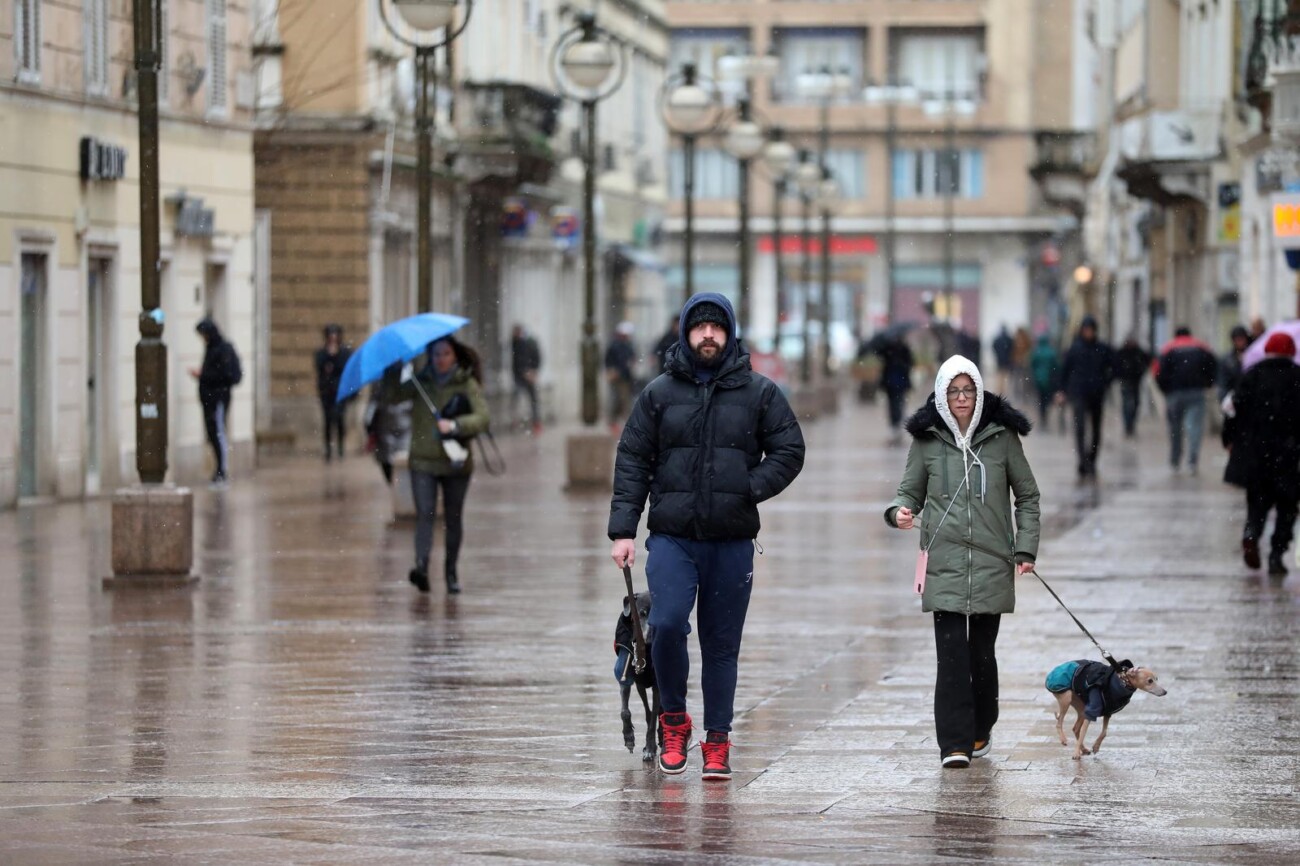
[[628, 677]]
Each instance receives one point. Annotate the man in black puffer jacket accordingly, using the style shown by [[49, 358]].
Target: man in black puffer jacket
[[707, 441]]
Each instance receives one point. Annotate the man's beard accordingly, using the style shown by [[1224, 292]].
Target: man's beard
[[705, 360]]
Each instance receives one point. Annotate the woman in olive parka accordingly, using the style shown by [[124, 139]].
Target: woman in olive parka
[[965, 463], [449, 382]]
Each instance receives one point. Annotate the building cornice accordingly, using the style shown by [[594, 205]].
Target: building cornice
[[31, 97]]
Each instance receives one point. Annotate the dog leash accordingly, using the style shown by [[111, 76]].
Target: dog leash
[[638, 636]]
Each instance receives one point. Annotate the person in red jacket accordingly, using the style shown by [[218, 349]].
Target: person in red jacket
[[1184, 371]]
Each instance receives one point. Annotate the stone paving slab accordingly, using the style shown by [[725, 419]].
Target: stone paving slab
[[302, 704]]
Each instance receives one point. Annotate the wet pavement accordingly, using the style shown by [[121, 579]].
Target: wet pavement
[[302, 703]]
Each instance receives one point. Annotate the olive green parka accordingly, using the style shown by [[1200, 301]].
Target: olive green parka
[[972, 553], [427, 453]]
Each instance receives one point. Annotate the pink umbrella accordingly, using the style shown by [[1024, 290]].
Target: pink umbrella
[[1255, 351]]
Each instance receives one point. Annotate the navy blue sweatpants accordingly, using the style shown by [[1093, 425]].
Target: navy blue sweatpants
[[721, 575]]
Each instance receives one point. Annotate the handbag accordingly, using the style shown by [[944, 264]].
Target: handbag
[[494, 463]]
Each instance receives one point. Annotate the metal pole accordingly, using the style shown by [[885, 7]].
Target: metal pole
[[778, 240], [743, 195], [824, 305], [891, 144], [950, 131], [424, 60], [150, 351], [590, 345], [805, 361], [688, 240]]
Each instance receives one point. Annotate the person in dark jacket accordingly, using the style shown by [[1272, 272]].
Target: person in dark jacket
[[620, 357], [964, 467], [895, 377], [220, 372], [1131, 363], [1230, 368], [1003, 346], [667, 341], [1184, 371], [1086, 374], [525, 362], [1263, 435], [1045, 366], [331, 358], [706, 443]]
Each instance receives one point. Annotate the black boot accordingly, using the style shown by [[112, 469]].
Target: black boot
[[419, 577], [1276, 568], [453, 584]]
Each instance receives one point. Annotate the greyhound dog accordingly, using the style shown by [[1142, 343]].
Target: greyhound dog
[[1095, 690], [627, 676]]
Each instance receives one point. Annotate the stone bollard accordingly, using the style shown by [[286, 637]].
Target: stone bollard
[[590, 460], [828, 397], [153, 536], [806, 403]]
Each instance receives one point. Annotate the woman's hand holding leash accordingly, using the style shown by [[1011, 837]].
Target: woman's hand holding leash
[[1025, 568], [623, 552], [903, 518]]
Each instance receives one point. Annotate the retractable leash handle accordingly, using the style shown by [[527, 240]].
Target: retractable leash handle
[[638, 635]]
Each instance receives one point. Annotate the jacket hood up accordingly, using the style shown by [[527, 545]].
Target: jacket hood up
[[734, 358], [997, 410], [951, 369], [209, 329]]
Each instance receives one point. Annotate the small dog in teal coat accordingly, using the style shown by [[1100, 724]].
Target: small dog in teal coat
[[1095, 690]]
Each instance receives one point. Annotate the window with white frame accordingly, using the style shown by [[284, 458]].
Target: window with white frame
[[848, 169], [704, 47], [933, 174], [27, 39], [164, 48], [216, 31], [812, 49], [716, 174], [95, 30], [939, 62]]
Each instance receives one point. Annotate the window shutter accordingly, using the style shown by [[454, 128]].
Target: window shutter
[[95, 18], [27, 38], [217, 55], [164, 46]]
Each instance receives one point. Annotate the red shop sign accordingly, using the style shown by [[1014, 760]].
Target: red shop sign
[[840, 245]]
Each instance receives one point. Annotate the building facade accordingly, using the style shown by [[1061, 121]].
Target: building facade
[[938, 210], [69, 237]]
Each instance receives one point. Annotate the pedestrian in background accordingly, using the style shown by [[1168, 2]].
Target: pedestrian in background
[[1045, 367], [1021, 350], [619, 359], [667, 341], [330, 360], [1086, 374], [525, 364], [706, 442], [388, 426], [447, 405], [965, 463], [1185, 370], [1257, 328], [1230, 364], [220, 372], [1131, 363], [895, 377], [1262, 434], [1004, 346]]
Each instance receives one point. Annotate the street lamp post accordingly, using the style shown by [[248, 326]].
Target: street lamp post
[[427, 27], [778, 157], [808, 176], [744, 142], [948, 174], [588, 65], [828, 195], [690, 109], [151, 351], [892, 96]]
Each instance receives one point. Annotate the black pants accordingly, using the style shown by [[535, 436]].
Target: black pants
[[896, 408], [1262, 496], [333, 415], [966, 690], [215, 418], [1129, 399], [1087, 414], [424, 489]]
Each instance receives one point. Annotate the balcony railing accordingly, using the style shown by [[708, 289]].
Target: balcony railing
[[1064, 152]]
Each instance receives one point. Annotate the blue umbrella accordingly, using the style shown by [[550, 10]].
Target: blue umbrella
[[393, 344]]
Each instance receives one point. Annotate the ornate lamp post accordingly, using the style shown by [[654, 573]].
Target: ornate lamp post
[[778, 158], [828, 197], [426, 26], [588, 65], [808, 176], [690, 108], [891, 96], [948, 174]]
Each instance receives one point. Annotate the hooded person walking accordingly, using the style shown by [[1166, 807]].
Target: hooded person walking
[[965, 464], [707, 441], [220, 372]]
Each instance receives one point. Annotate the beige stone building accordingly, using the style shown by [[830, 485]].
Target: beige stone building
[[69, 236], [980, 87]]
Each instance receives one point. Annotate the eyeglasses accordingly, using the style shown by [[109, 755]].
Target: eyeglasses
[[968, 393]]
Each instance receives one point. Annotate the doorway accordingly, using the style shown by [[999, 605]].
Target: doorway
[[99, 367], [33, 377]]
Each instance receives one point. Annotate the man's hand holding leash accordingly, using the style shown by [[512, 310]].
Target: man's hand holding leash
[[623, 552]]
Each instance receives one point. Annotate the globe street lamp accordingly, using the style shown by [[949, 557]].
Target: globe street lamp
[[891, 96], [587, 65], [426, 26], [690, 109], [948, 174], [808, 177], [778, 158]]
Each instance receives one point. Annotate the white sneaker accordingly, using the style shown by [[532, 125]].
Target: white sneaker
[[956, 761], [981, 751]]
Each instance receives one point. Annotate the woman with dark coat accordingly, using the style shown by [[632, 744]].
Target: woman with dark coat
[[965, 463], [447, 406], [1262, 434]]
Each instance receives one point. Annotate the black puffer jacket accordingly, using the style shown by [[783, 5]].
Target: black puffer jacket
[[704, 453], [1264, 432]]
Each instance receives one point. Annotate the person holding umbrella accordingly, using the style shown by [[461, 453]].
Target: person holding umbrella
[[450, 412]]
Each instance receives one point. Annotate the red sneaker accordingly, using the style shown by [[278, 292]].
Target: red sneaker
[[716, 749], [676, 728]]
